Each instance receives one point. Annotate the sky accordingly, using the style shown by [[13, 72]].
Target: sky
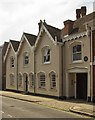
[[18, 16]]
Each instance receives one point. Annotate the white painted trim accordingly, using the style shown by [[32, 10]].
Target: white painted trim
[[78, 70], [75, 42], [20, 74], [41, 72], [43, 29], [8, 48], [31, 73], [21, 41], [74, 37]]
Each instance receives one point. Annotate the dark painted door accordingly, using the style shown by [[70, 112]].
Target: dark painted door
[[26, 83], [81, 85]]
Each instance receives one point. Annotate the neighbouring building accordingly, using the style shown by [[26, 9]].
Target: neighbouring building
[[4, 65], [25, 63], [48, 61], [57, 62], [78, 76], [1, 67], [11, 65]]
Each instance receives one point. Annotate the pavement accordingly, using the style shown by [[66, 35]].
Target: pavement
[[72, 105]]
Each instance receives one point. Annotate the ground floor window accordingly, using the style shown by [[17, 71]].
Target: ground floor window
[[11, 79], [42, 81], [20, 80], [52, 80], [31, 79]]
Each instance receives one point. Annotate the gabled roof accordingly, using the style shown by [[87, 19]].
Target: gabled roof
[[53, 31], [79, 24], [15, 44], [5, 48], [31, 38]]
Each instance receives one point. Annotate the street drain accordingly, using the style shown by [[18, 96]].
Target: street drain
[[12, 106]]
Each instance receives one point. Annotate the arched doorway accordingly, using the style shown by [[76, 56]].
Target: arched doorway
[[25, 75]]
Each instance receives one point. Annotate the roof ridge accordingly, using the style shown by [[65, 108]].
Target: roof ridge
[[14, 41], [29, 34], [51, 26]]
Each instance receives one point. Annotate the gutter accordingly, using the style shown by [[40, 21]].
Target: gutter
[[17, 71], [91, 71]]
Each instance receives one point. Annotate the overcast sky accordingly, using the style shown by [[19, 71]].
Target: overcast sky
[[18, 16]]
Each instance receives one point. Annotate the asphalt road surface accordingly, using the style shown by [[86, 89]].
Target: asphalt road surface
[[12, 108]]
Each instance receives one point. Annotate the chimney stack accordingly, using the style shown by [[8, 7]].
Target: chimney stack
[[78, 13], [83, 11], [39, 24], [68, 26]]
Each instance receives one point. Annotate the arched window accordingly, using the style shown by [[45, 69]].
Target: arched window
[[52, 80], [42, 81], [11, 79], [26, 58], [77, 53], [12, 62], [46, 54], [20, 80], [31, 75]]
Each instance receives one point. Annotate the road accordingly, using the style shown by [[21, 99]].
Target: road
[[13, 108]]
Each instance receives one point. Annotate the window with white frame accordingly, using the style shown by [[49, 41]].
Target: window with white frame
[[42, 81], [31, 80], [77, 53], [46, 55], [11, 79], [52, 80], [20, 80], [12, 62], [26, 58]]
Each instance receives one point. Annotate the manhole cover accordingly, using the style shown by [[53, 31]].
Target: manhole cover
[[11, 106]]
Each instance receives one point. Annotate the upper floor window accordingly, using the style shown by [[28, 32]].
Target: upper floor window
[[77, 53], [46, 55], [12, 62], [26, 58], [11, 79]]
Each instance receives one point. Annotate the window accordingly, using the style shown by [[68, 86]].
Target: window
[[26, 58], [31, 79], [42, 82], [11, 79], [46, 55], [52, 80], [12, 62], [77, 53], [20, 80]]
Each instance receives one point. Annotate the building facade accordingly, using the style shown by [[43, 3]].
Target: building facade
[[56, 62], [0, 67], [11, 65], [4, 66], [25, 63]]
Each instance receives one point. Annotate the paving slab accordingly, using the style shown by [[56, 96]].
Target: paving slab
[[77, 106]]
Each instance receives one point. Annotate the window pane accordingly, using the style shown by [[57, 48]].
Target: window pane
[[78, 48], [77, 52], [42, 81], [77, 56], [53, 81], [46, 56]]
